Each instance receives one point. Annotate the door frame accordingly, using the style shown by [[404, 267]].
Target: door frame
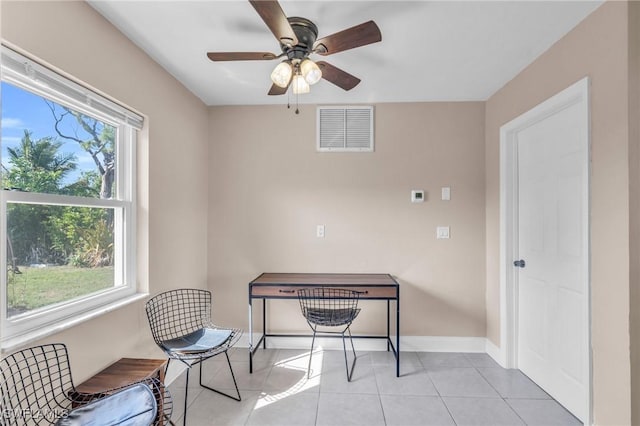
[[574, 94]]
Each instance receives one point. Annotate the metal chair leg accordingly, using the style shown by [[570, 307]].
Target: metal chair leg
[[166, 367], [346, 362], [186, 398], [233, 376], [166, 418], [313, 340]]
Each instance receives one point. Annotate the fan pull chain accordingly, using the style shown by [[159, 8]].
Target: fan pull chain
[[297, 110], [288, 99]]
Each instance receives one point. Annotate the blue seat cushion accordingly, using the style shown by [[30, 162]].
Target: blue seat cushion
[[200, 340], [133, 406]]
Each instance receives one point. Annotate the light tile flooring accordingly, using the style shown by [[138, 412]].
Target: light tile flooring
[[434, 389]]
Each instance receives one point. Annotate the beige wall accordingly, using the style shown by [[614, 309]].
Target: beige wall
[[267, 191], [634, 200], [269, 188], [596, 48], [172, 155]]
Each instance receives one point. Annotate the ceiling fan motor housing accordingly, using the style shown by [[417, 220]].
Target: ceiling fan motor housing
[[306, 32]]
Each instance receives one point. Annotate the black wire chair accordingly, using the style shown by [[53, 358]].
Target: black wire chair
[[36, 388], [181, 326], [330, 307]]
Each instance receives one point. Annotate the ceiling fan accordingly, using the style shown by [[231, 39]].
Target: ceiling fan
[[298, 39]]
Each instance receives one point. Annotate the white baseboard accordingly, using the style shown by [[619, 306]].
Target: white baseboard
[[442, 344], [496, 353]]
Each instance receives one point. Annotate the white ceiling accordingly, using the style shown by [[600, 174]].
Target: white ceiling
[[430, 50]]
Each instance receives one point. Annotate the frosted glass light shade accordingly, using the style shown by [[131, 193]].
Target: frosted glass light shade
[[300, 85], [310, 71], [281, 74]]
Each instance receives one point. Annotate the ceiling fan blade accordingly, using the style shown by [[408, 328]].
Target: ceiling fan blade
[[338, 77], [273, 15], [353, 37], [241, 56], [277, 90]]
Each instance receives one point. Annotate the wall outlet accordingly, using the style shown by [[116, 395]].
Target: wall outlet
[[442, 232], [320, 231]]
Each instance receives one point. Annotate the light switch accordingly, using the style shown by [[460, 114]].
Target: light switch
[[442, 232], [320, 231], [446, 193]]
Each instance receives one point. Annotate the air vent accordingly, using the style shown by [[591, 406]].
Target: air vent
[[346, 128]]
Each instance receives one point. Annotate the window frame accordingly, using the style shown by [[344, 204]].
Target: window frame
[[51, 85]]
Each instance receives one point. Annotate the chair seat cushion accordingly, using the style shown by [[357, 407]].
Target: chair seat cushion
[[133, 406], [200, 340], [330, 317]]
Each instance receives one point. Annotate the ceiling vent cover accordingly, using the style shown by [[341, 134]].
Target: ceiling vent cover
[[345, 129]]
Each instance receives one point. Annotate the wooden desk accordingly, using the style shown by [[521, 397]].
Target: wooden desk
[[124, 372], [286, 285]]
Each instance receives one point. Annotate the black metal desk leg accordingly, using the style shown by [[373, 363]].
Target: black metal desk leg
[[388, 335], [264, 323], [398, 335], [250, 336]]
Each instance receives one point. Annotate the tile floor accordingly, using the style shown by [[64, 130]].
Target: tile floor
[[434, 389]]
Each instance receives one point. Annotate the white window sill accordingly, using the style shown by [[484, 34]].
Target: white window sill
[[23, 339]]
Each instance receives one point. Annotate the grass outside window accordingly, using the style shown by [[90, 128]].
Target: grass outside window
[[36, 287]]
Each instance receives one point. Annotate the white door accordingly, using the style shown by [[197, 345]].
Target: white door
[[552, 240]]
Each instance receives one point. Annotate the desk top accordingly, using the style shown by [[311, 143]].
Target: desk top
[[324, 279]]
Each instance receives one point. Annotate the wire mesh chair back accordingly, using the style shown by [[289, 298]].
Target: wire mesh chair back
[[36, 388], [36, 385], [178, 312], [329, 307]]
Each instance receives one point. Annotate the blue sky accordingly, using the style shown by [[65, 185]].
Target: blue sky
[[23, 110]]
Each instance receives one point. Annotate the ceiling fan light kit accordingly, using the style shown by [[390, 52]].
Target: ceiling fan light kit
[[298, 39], [281, 75], [310, 71], [300, 85]]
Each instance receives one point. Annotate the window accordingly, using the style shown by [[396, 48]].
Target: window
[[67, 205]]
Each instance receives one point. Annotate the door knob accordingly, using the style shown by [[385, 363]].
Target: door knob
[[519, 263]]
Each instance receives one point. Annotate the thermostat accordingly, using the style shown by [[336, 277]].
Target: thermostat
[[417, 196]]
